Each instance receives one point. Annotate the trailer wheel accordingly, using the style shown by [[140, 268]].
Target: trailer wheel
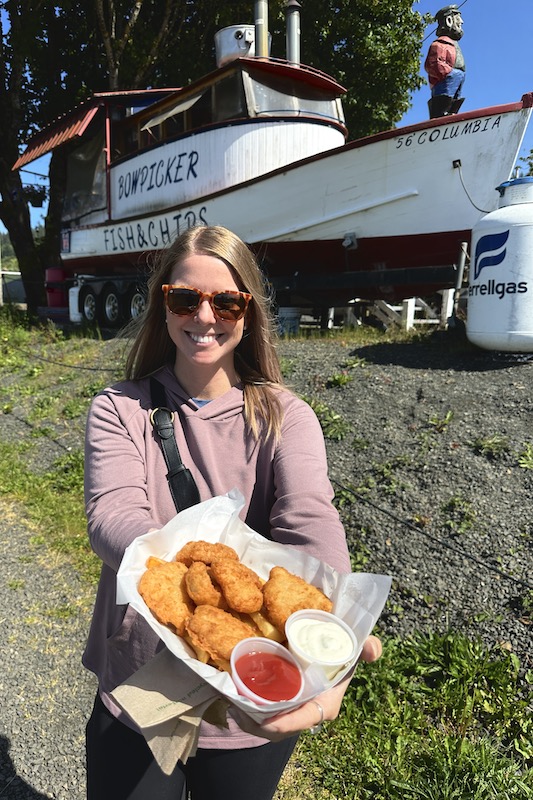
[[110, 310], [135, 303], [88, 305]]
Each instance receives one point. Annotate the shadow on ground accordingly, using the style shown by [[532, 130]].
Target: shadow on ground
[[11, 784], [443, 350]]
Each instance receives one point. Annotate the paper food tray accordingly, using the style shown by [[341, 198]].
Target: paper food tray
[[358, 598]]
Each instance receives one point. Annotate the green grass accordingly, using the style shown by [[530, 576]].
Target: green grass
[[52, 502], [361, 335], [438, 717], [48, 380]]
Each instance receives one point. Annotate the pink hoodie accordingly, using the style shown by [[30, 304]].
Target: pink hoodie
[[287, 490]]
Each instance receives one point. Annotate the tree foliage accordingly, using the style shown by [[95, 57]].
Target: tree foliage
[[372, 48], [54, 55], [17, 28], [528, 163]]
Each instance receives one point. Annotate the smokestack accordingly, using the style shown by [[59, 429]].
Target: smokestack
[[292, 13], [261, 28]]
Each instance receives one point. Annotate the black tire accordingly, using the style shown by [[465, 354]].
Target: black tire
[[135, 303], [88, 305], [110, 307]]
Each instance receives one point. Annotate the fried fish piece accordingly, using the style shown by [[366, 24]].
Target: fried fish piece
[[217, 632], [285, 593], [163, 589], [204, 551], [240, 585], [201, 588]]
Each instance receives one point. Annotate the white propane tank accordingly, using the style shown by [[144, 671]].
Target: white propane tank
[[500, 291]]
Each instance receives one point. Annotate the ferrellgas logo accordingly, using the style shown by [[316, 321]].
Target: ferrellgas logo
[[490, 251]]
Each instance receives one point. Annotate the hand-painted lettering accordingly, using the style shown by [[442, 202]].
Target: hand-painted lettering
[[179, 167], [168, 170], [152, 238], [164, 229], [144, 177], [193, 161], [446, 132], [151, 234], [141, 238], [164, 172]]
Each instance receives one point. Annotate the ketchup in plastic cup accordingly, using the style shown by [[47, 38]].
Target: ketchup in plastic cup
[[265, 672], [320, 638]]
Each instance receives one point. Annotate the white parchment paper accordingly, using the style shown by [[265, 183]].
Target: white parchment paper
[[358, 598]]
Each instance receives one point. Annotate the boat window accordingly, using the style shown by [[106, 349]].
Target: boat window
[[229, 101], [131, 140], [85, 191], [272, 97], [151, 135], [174, 111], [174, 126], [200, 113], [220, 101]]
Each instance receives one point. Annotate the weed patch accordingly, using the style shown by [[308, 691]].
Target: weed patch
[[333, 424], [339, 379], [525, 457], [419, 722], [491, 446], [459, 515]]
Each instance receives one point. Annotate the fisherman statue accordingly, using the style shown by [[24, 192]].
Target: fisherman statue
[[445, 64]]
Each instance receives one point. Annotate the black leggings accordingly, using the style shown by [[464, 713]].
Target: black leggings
[[120, 766]]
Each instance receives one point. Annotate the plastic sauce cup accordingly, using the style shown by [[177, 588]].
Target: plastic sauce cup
[[320, 638], [265, 671]]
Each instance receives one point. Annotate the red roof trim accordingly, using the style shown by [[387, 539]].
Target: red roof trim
[[65, 132]]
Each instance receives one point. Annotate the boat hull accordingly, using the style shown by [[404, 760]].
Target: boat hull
[[384, 216]]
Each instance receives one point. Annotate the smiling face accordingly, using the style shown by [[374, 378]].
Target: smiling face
[[205, 344]]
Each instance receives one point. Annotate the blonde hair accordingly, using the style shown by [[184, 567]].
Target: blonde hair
[[256, 360]]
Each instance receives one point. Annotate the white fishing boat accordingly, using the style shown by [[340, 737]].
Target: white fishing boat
[[260, 145]]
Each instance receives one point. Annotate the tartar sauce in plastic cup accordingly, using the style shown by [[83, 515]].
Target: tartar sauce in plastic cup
[[321, 638]]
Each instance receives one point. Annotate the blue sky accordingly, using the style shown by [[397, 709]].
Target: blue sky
[[496, 45]]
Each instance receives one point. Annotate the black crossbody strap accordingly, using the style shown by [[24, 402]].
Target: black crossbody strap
[[183, 488]]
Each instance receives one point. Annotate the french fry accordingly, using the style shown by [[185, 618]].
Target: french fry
[[201, 655], [265, 627]]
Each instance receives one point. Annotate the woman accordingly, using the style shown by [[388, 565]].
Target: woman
[[207, 337]]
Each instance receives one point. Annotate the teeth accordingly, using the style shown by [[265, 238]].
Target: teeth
[[202, 339]]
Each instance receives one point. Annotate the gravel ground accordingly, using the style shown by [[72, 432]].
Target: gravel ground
[[434, 495], [437, 504]]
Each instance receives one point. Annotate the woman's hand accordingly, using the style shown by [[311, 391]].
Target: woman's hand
[[325, 706], [372, 649]]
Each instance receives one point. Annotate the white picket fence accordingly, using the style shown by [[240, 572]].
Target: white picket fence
[[415, 311]]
